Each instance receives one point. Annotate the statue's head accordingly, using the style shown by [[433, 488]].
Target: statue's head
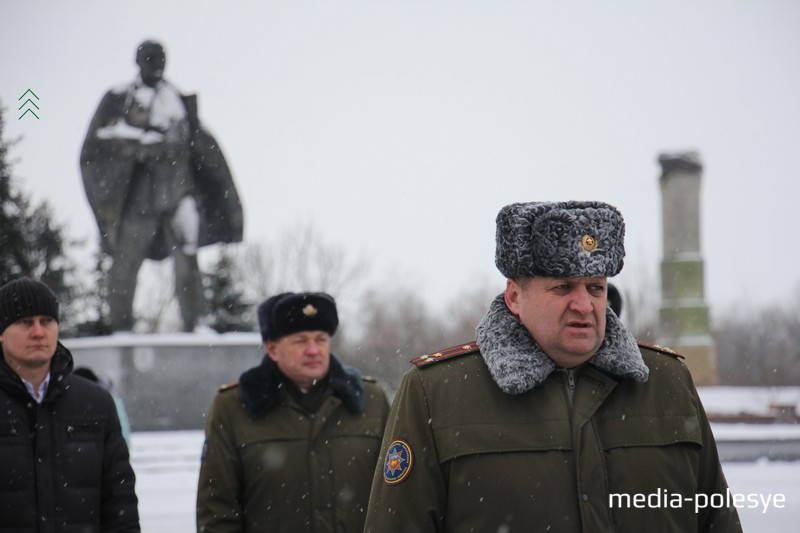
[[151, 59]]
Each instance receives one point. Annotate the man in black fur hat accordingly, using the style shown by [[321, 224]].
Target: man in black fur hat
[[64, 464], [293, 444], [556, 419]]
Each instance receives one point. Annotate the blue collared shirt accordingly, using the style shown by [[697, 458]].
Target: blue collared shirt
[[38, 395]]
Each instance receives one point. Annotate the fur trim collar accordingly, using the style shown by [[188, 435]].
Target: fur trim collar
[[517, 363], [261, 386]]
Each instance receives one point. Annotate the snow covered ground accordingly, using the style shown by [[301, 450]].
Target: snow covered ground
[[166, 465], [753, 400]]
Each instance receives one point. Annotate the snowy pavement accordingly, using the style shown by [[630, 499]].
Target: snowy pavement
[[166, 465]]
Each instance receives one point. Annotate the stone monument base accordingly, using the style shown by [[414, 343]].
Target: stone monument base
[[700, 357], [167, 381]]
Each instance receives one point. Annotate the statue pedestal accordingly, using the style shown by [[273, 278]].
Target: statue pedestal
[[167, 381]]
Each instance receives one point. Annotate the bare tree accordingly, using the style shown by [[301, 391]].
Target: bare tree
[[760, 347], [399, 325], [464, 311], [300, 260]]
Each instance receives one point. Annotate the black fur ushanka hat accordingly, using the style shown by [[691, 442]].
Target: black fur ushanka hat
[[289, 312]]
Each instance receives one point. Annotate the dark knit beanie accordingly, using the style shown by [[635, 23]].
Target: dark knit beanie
[[289, 312], [26, 297], [559, 240]]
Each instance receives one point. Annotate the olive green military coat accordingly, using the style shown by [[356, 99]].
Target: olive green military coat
[[269, 464], [463, 454]]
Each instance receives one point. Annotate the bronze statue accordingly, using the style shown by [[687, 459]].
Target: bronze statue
[[158, 185]]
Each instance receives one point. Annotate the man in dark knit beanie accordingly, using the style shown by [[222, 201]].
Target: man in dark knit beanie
[[65, 447], [27, 304], [25, 297]]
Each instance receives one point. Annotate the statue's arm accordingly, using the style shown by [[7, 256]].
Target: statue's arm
[[108, 112], [109, 122]]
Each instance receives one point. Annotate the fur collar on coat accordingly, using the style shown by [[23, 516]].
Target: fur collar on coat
[[517, 363], [261, 386]]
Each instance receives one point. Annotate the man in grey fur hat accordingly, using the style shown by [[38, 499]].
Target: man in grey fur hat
[[556, 419]]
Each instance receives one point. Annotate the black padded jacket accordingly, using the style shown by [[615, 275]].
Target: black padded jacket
[[64, 465]]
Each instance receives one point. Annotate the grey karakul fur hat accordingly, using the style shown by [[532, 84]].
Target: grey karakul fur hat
[[559, 240]]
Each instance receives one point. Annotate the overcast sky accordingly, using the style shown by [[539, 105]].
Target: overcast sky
[[400, 128]]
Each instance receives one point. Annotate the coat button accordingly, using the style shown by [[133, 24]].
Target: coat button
[[585, 498]]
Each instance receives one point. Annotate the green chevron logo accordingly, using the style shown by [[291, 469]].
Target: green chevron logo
[[28, 104]]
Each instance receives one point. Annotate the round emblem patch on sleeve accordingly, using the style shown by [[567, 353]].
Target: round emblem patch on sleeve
[[398, 463]]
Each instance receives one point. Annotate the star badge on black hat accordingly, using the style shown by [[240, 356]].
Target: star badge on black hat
[[289, 312]]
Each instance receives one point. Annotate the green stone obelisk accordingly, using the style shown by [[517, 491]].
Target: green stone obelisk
[[684, 314]]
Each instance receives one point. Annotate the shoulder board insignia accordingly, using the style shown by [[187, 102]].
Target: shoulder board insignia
[[369, 379], [228, 386], [449, 353], [660, 349]]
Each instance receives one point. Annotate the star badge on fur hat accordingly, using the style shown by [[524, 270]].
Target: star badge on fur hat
[[289, 312], [559, 240]]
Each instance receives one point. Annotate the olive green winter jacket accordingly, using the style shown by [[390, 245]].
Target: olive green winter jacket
[[270, 464], [552, 450]]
